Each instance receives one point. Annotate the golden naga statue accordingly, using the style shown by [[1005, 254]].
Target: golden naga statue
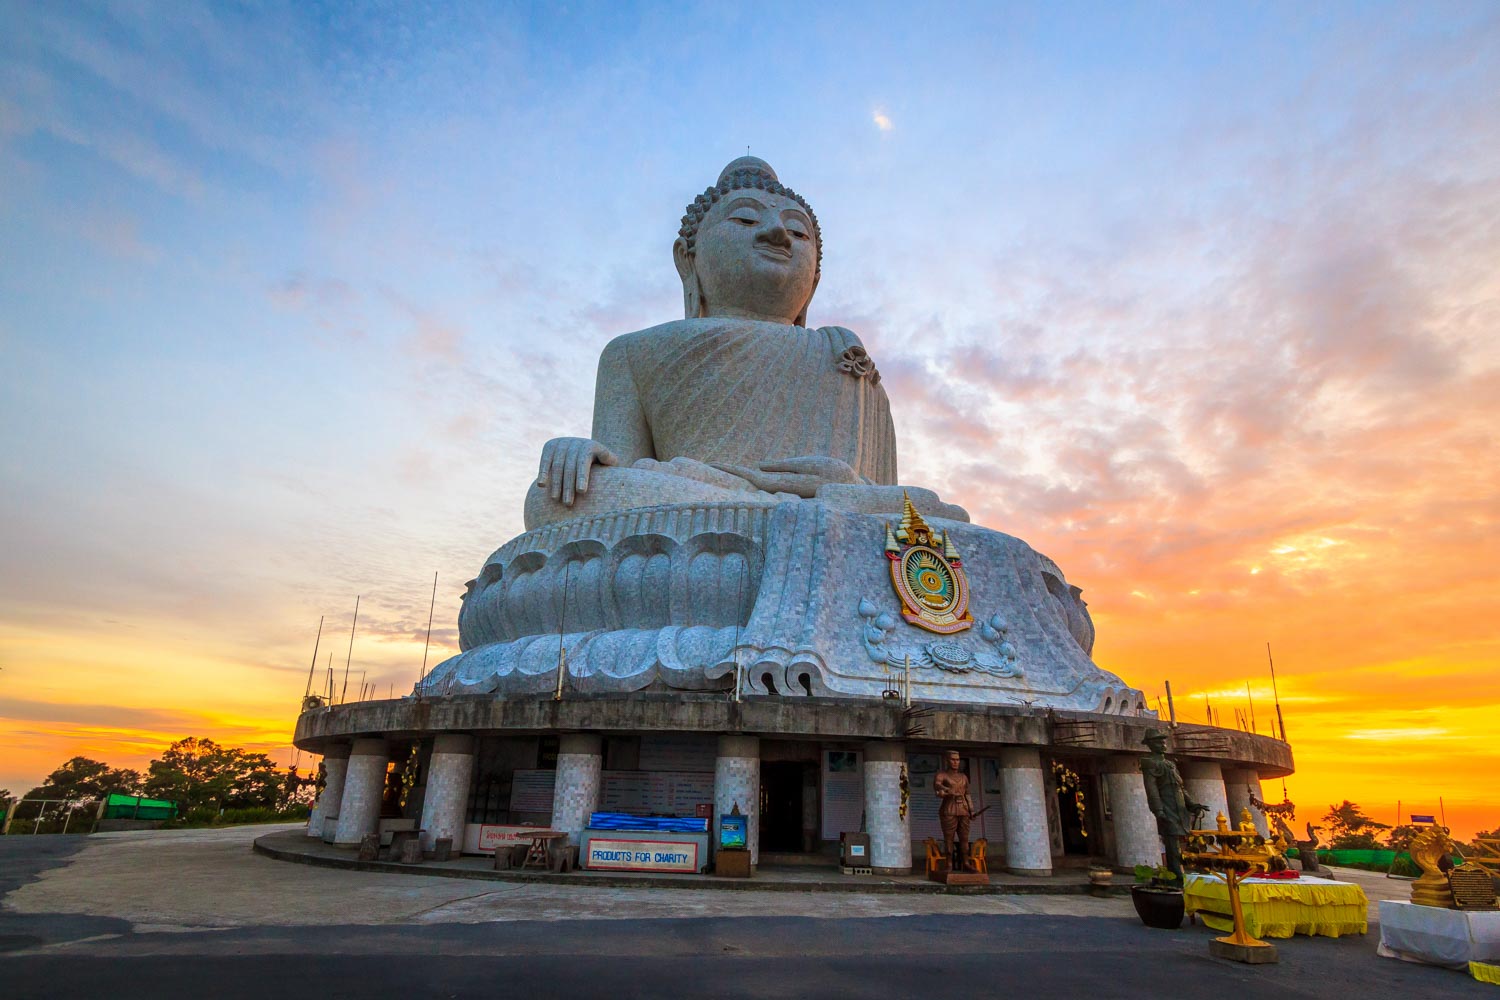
[[1432, 851]]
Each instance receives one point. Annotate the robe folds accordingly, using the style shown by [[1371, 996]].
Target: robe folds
[[739, 392]]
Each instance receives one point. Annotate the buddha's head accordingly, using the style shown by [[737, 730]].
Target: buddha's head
[[749, 247]]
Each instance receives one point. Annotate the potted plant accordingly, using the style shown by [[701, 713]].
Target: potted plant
[[1158, 902]]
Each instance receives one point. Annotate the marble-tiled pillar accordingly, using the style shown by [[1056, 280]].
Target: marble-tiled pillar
[[364, 787], [335, 766], [1240, 785], [1137, 841], [1023, 804], [575, 794], [737, 783], [1203, 781], [447, 798], [889, 829]]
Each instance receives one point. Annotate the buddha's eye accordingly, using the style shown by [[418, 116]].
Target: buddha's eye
[[799, 234], [744, 221]]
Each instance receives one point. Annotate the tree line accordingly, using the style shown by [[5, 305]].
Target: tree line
[[198, 774], [1349, 829]]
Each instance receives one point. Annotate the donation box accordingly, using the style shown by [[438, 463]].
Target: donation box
[[733, 831], [854, 850]]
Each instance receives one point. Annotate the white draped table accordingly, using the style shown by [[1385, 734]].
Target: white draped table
[[1434, 935]]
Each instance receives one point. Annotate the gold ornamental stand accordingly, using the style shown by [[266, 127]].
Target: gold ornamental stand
[[1236, 853]]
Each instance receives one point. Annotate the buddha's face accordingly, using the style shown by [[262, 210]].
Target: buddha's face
[[756, 255]]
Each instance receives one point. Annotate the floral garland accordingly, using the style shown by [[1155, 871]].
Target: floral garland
[[1068, 780], [1287, 808]]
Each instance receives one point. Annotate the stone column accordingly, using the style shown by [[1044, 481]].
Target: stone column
[[1240, 784], [889, 830], [1204, 782], [335, 766], [447, 799], [1023, 806], [1137, 841], [575, 793], [737, 782], [364, 787]]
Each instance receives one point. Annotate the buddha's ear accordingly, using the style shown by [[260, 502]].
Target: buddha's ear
[[801, 319], [692, 291]]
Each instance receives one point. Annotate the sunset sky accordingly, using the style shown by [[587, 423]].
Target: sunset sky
[[1201, 301]]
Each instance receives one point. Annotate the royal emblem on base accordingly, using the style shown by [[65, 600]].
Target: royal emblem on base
[[928, 574]]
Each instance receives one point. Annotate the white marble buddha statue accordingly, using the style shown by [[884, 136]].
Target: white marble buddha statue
[[738, 401]]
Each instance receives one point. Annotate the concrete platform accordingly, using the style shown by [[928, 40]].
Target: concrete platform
[[297, 847]]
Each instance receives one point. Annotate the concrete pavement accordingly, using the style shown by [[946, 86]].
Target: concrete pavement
[[195, 913]]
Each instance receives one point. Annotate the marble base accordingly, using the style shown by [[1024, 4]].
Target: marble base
[[1262, 954], [794, 597]]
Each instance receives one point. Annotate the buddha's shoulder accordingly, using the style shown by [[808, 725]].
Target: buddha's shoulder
[[682, 332]]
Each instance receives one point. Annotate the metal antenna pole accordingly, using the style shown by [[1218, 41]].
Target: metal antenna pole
[[1171, 709], [562, 621], [739, 602], [430, 609], [1276, 694], [344, 694], [314, 664], [1251, 699]]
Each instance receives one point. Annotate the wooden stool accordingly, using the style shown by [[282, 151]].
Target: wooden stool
[[369, 847], [564, 859]]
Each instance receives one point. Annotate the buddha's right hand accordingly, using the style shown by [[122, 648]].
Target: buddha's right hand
[[566, 462]]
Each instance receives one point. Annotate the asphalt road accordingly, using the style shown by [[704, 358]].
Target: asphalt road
[[62, 955]]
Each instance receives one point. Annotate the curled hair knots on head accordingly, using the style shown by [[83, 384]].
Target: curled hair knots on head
[[749, 179]]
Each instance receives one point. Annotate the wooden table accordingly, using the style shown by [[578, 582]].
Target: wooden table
[[539, 854]]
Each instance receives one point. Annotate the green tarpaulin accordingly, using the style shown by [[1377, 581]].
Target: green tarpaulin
[[134, 807]]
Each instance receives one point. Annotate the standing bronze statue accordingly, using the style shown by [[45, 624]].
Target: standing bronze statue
[[955, 813], [1175, 813]]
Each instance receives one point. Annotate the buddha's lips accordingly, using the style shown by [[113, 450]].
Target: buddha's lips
[[773, 251]]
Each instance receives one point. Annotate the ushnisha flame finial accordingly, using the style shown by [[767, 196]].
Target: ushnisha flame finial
[[913, 529]]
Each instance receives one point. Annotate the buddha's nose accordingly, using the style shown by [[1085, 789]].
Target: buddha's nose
[[775, 234]]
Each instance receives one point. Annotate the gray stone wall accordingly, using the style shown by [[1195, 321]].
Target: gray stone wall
[[1239, 785], [1204, 782], [575, 792], [889, 830], [446, 801], [1137, 841], [364, 787], [335, 768], [737, 783], [1028, 847]]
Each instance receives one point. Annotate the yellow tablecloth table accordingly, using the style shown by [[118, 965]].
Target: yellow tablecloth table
[[1280, 908]]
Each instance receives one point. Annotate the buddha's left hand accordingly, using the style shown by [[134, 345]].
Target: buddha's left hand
[[799, 476]]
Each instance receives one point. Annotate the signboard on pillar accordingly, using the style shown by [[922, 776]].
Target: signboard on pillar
[[843, 792]]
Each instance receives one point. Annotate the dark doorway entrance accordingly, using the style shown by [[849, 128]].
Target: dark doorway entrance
[[1073, 804], [781, 806]]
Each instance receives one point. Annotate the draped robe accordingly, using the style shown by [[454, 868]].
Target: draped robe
[[739, 392]]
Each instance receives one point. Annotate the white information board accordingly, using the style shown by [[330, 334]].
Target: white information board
[[656, 793]]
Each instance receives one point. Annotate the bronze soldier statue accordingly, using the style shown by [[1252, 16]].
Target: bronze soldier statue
[[955, 813], [1175, 813]]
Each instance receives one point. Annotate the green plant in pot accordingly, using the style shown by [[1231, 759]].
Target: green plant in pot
[[1158, 900]]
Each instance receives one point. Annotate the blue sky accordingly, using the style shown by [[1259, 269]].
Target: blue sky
[[292, 294]]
